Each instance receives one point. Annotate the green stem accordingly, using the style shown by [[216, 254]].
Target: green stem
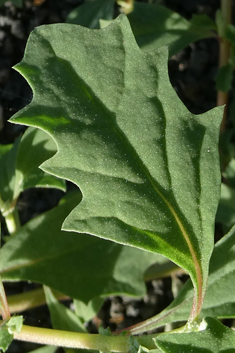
[[80, 340], [11, 216], [12, 221], [31, 299]]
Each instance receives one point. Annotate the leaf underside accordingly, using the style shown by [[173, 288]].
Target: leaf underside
[[148, 169]]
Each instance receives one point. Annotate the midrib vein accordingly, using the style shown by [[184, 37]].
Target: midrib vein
[[185, 235]]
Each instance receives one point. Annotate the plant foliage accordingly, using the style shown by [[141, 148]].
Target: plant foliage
[[105, 117], [144, 163]]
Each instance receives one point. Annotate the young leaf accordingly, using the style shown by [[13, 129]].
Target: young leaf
[[214, 337], [5, 337], [148, 168], [78, 265], [87, 312], [7, 330]]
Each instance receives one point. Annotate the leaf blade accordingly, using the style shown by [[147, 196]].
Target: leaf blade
[[136, 174], [155, 25], [42, 253]]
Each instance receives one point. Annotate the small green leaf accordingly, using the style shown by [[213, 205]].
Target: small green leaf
[[89, 13], [78, 265], [214, 337], [15, 324], [7, 330], [105, 331], [148, 168], [86, 312], [133, 345], [5, 337], [154, 26]]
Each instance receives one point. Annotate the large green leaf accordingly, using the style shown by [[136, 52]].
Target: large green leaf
[[219, 299], [148, 168], [213, 337], [78, 265], [154, 26]]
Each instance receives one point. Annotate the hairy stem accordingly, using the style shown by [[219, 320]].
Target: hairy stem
[[80, 340]]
